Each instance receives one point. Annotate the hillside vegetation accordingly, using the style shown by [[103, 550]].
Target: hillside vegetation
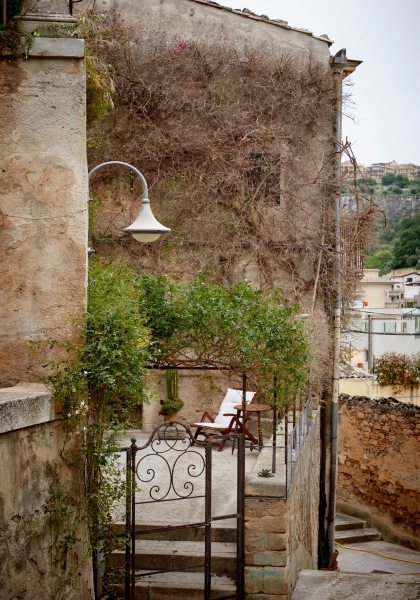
[[390, 185], [397, 246]]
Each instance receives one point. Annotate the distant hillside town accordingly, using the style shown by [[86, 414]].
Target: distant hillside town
[[379, 170]]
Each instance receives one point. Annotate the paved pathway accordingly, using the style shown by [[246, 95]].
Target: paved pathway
[[327, 585], [357, 579], [351, 561]]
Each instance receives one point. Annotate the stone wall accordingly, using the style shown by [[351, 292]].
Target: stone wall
[[43, 201], [43, 550], [303, 508], [378, 476], [281, 534]]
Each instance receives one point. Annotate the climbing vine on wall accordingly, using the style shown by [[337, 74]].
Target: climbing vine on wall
[[236, 143], [97, 385]]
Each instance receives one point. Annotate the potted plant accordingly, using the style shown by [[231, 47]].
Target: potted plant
[[173, 404]]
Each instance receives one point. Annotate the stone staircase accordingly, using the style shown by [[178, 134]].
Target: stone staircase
[[184, 549], [350, 530], [181, 549]]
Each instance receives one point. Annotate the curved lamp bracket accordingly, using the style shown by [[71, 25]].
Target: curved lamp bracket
[[146, 228]]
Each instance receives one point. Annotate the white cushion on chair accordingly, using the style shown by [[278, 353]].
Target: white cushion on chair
[[235, 397], [210, 425]]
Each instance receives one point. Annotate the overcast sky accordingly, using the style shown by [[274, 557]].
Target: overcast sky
[[385, 35]]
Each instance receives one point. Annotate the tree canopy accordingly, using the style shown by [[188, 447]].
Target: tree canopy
[[237, 330], [381, 260], [407, 246]]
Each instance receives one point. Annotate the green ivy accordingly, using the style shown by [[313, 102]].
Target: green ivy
[[133, 321], [98, 90], [100, 382]]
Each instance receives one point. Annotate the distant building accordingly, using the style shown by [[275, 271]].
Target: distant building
[[378, 170], [386, 318], [411, 171], [347, 170]]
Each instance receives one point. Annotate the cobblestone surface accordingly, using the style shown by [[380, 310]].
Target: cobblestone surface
[[327, 585]]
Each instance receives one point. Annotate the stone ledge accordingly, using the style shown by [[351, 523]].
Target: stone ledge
[[55, 48], [257, 486], [25, 405], [58, 47]]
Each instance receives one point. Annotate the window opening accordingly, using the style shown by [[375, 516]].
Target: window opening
[[263, 179]]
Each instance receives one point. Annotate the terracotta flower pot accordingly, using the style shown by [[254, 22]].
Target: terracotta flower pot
[[171, 417]]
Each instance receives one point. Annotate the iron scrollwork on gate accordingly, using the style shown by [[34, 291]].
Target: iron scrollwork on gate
[[171, 438], [170, 467]]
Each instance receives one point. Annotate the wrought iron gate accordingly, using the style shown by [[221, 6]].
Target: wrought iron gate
[[169, 481]]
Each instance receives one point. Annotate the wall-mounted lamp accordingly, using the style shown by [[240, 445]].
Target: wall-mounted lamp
[[146, 228]]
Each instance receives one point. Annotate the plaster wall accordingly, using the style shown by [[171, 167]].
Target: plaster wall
[[378, 472], [196, 19], [367, 387], [43, 201], [43, 550], [374, 293]]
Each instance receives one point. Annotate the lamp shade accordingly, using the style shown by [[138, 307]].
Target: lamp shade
[[146, 228]]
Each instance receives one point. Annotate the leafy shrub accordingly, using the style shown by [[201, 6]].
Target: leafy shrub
[[398, 370], [171, 406], [238, 330], [388, 179], [381, 260], [98, 384]]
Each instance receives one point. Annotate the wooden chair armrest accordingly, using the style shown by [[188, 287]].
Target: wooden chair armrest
[[203, 410], [207, 414], [235, 415]]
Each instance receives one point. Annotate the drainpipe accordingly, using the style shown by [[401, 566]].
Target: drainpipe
[[370, 322], [338, 61]]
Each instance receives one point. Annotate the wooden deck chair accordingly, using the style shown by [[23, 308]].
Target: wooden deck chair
[[226, 420]]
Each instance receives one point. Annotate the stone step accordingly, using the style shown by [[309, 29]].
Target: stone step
[[365, 534], [343, 523], [155, 555], [182, 590], [189, 534]]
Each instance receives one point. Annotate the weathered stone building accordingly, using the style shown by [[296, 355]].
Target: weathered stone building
[[44, 213]]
